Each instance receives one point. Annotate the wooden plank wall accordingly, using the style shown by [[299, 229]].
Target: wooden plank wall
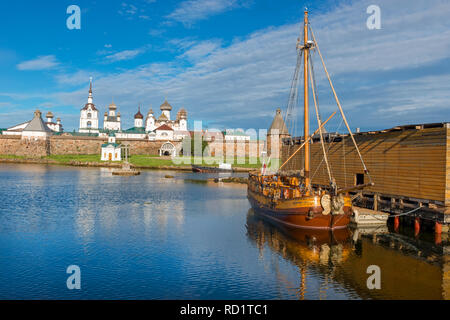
[[447, 189], [409, 163]]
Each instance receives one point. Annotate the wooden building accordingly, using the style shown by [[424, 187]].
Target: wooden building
[[410, 166]]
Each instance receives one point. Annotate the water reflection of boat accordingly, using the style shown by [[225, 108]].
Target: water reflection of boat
[[308, 249], [300, 245], [411, 269]]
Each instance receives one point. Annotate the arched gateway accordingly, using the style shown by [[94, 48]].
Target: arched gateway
[[167, 149]]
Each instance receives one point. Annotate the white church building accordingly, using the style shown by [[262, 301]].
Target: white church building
[[89, 115], [155, 128], [111, 151]]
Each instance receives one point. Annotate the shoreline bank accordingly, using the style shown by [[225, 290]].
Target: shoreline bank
[[91, 164]]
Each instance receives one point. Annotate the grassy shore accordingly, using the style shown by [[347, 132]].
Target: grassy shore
[[146, 161]]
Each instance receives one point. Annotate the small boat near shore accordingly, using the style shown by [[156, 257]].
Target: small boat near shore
[[225, 168]]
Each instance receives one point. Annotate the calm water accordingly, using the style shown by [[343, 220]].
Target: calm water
[[149, 237]]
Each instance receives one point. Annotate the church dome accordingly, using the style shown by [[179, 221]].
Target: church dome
[[49, 115], [166, 106], [112, 105], [139, 115], [182, 114]]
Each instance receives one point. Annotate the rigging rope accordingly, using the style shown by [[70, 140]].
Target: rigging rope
[[400, 214], [366, 171], [291, 113], [329, 147], [316, 105]]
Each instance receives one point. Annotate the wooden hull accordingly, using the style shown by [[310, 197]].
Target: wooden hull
[[294, 213]]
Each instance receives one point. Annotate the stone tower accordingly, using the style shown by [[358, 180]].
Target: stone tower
[[276, 133]]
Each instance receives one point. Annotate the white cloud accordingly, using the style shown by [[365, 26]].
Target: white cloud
[[190, 11], [124, 55], [77, 78], [383, 77], [40, 63], [137, 9], [128, 9], [201, 50]]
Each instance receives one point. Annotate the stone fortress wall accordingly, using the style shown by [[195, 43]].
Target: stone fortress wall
[[79, 145], [69, 145]]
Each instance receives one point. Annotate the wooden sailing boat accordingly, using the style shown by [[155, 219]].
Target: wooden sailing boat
[[291, 199]]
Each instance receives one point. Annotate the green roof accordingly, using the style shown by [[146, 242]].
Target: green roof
[[140, 130], [115, 145], [79, 134], [107, 131]]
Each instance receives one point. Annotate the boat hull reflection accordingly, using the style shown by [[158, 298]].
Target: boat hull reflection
[[300, 245]]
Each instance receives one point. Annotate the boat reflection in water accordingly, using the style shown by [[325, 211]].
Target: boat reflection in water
[[305, 248], [334, 263], [312, 245]]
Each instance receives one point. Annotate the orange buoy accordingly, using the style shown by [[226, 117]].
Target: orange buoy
[[416, 226], [437, 238], [437, 227], [396, 223]]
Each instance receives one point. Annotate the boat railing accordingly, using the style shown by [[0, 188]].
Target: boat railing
[[275, 189]]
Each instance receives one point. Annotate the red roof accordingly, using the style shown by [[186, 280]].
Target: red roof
[[91, 105], [165, 127]]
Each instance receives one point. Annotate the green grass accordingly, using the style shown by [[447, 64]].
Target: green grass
[[68, 158], [9, 156], [155, 161], [241, 162]]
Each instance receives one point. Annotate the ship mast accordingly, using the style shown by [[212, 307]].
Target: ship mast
[[306, 102]]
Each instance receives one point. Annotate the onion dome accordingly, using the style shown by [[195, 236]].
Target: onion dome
[[106, 114], [166, 106], [49, 115], [182, 114], [112, 105], [139, 115]]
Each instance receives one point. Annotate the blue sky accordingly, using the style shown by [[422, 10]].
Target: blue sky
[[228, 62]]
